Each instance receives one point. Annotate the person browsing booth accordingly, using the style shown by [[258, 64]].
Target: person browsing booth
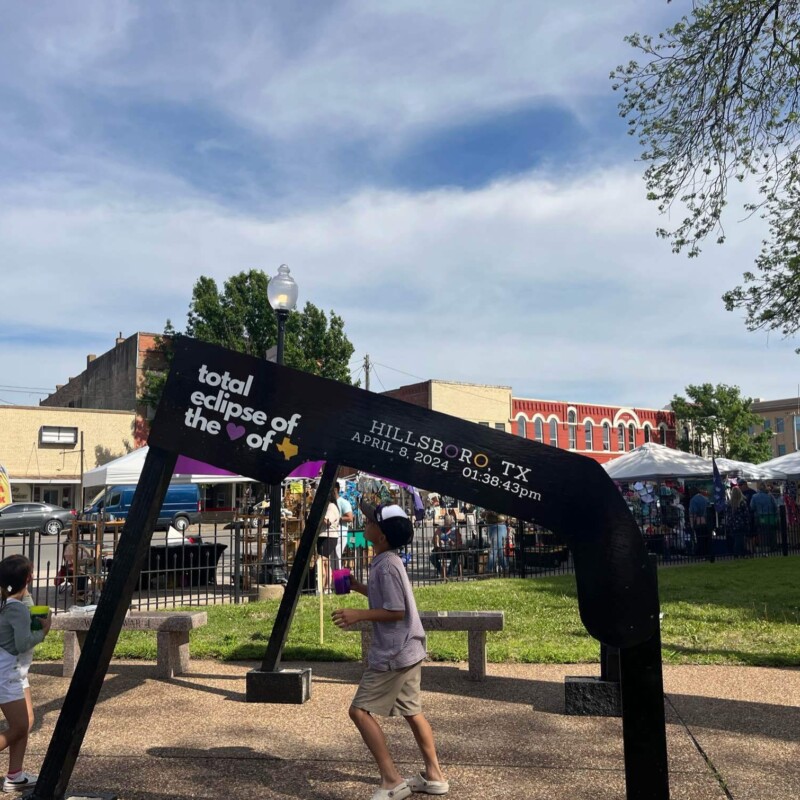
[[390, 685]]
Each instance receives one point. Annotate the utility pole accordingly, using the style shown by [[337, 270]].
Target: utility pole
[[82, 491], [366, 371]]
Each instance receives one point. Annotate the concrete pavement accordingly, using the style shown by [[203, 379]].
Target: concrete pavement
[[732, 732]]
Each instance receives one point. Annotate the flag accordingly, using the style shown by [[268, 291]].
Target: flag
[[5, 487], [719, 487]]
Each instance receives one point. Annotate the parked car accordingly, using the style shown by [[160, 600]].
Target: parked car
[[20, 517]]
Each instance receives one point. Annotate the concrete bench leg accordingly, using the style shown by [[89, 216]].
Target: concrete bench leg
[[476, 647], [173, 653], [73, 644]]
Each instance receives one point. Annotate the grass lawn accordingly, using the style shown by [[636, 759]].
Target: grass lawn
[[740, 612]]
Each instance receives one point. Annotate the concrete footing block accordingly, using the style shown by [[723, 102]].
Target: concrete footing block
[[592, 697], [291, 686], [273, 591]]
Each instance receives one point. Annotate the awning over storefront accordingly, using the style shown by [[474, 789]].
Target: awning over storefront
[[46, 481]]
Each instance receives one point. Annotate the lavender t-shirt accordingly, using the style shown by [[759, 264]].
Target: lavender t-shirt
[[395, 645]]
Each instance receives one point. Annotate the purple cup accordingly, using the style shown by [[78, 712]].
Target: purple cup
[[341, 581]]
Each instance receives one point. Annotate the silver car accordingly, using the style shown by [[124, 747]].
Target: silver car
[[21, 517]]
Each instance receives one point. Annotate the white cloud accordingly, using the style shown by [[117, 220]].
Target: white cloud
[[554, 283], [551, 288], [349, 69]]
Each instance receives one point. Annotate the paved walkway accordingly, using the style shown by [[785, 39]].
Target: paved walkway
[[732, 733]]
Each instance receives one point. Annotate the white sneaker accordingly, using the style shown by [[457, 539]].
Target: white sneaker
[[22, 782]]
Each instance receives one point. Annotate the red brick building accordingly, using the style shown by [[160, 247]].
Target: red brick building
[[599, 431]]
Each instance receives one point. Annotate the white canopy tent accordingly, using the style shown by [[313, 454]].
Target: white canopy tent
[[789, 464], [654, 461], [128, 468], [748, 471]]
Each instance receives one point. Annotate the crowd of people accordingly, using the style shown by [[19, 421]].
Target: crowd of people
[[448, 546], [689, 521]]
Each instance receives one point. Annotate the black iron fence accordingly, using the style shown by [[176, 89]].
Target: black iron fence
[[229, 561], [676, 537]]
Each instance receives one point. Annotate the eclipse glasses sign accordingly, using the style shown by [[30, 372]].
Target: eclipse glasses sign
[[263, 420]]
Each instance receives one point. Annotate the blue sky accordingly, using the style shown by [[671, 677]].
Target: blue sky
[[452, 178]]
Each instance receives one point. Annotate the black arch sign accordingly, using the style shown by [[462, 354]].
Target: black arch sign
[[262, 420]]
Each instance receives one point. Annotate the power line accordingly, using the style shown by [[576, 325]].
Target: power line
[[375, 372], [355, 377], [455, 387], [394, 369], [25, 389]]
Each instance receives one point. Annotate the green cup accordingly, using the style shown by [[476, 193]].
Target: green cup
[[38, 613]]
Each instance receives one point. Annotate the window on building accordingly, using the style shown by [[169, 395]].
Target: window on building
[[621, 437], [572, 425], [781, 449], [500, 426], [767, 424], [522, 428], [553, 433], [52, 434], [485, 424], [587, 435], [646, 434], [751, 430], [663, 429], [631, 436], [606, 436], [778, 424], [538, 431]]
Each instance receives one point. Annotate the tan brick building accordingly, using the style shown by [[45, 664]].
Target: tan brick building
[[782, 417], [114, 381], [475, 402], [41, 448]]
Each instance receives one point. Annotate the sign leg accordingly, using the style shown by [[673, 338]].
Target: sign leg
[[86, 683], [644, 731], [270, 684]]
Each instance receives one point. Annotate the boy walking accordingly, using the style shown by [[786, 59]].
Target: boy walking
[[390, 685]]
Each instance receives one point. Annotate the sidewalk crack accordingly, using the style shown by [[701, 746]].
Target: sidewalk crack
[[715, 772]]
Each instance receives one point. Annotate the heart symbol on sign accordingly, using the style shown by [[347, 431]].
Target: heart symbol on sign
[[234, 431]]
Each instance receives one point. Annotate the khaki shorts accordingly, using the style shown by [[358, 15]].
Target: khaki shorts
[[391, 693]]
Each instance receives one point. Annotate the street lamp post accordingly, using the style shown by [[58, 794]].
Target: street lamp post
[[282, 295]]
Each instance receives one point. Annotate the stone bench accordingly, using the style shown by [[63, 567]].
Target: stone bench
[[172, 636], [475, 623]]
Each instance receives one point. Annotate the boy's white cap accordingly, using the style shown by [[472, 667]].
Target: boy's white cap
[[393, 522]]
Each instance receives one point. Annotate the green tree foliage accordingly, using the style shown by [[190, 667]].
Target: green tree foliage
[[240, 318], [717, 99], [719, 419]]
